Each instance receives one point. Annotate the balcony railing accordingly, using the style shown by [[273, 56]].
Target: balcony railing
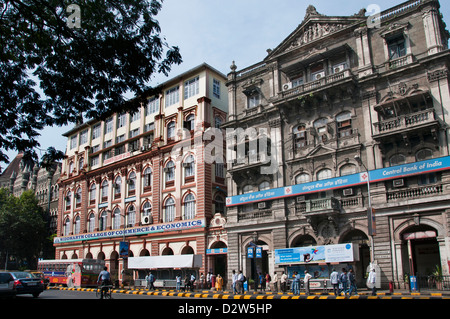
[[312, 206], [255, 214], [404, 122], [414, 192], [313, 85]]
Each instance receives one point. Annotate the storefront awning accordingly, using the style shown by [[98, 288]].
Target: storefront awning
[[165, 262]]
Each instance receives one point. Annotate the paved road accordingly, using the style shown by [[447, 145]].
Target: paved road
[[74, 294]]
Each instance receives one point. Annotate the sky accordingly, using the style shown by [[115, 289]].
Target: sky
[[219, 32]]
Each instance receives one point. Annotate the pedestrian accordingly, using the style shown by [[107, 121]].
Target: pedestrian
[[202, 281], [192, 281], [343, 278], [208, 279], [261, 281], [275, 282], [372, 280], [334, 278], [219, 282], [296, 283], [306, 281], [352, 282], [283, 282], [240, 282], [178, 280], [234, 278], [267, 279], [151, 279], [186, 283]]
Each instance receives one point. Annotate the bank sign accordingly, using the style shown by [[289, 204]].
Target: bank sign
[[394, 172], [150, 229], [316, 254]]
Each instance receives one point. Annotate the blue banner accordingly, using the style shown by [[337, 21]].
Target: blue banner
[[378, 175]]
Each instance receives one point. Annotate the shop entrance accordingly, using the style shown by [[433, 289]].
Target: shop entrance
[[357, 237]]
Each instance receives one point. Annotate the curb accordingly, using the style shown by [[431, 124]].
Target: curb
[[266, 295]]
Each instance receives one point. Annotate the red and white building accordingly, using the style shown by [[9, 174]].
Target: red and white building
[[145, 175]]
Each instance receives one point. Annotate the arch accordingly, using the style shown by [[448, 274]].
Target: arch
[[303, 240], [167, 251], [187, 250], [144, 252]]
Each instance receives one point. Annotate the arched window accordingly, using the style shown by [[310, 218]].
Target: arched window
[[81, 163], [77, 225], [68, 200], [424, 154], [103, 221], [67, 227], [104, 190], [219, 204], [247, 189], [344, 123], [131, 183], [171, 130], [189, 166], [78, 197], [147, 209], [91, 222], [264, 186], [323, 174], [189, 122], [170, 171], [116, 218], [302, 178], [147, 178], [131, 216], [92, 193], [117, 187], [189, 207], [397, 159], [348, 169], [169, 210], [299, 132]]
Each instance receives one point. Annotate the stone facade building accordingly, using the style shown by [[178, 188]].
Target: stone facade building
[[145, 173], [337, 97]]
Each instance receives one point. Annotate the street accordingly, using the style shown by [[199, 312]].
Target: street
[[74, 294]]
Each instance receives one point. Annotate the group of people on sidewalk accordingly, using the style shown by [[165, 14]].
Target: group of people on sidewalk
[[344, 282]]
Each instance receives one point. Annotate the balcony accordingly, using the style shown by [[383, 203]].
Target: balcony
[[412, 193], [319, 206], [405, 123], [314, 85]]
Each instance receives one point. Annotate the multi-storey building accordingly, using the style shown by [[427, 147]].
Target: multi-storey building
[[145, 173], [341, 96]]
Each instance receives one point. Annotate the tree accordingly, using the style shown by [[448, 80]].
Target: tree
[[22, 227], [85, 55]]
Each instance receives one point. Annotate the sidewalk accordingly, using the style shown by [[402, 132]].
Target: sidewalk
[[362, 294]]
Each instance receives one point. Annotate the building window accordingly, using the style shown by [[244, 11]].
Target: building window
[[121, 120], [172, 96], [84, 137], [67, 227], [191, 87], [77, 225], [170, 171], [120, 138], [324, 174], [300, 136], [109, 125], [302, 178], [216, 88], [253, 99], [264, 186], [92, 193], [247, 189], [78, 197], [219, 204], [396, 47], [73, 142], [189, 123], [147, 209], [80, 163], [131, 216], [220, 172], [95, 160], [131, 182], [189, 207], [424, 154], [217, 122], [96, 131], [136, 116], [116, 218], [147, 179], [171, 130], [397, 159], [169, 210], [103, 221], [189, 166], [104, 191], [344, 124], [91, 225], [68, 200], [348, 169], [117, 187], [152, 106]]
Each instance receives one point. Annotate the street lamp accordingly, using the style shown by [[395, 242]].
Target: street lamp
[[369, 210]]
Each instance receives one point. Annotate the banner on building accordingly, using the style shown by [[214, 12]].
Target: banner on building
[[395, 172], [317, 254]]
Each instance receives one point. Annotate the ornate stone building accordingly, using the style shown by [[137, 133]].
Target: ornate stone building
[[337, 97], [146, 173]]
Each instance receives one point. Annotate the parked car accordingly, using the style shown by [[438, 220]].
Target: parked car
[[27, 283], [7, 285]]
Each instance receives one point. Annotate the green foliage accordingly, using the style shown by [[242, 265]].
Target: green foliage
[[82, 72], [22, 226]]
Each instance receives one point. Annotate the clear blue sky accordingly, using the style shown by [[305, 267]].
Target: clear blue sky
[[220, 31]]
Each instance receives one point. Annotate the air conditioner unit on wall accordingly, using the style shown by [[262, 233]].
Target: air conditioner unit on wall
[[146, 220], [287, 86], [347, 192], [261, 205], [398, 182]]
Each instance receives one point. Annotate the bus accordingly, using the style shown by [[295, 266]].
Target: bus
[[73, 273]]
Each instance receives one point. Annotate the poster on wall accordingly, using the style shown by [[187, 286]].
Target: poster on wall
[[316, 254]]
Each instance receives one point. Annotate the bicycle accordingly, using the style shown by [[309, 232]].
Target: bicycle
[[104, 292]]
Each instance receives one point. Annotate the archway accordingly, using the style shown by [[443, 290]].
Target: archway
[[217, 258], [420, 247], [167, 251], [303, 241], [259, 264], [358, 237]]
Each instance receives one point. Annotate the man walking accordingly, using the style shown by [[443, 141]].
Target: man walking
[[334, 278], [372, 280], [306, 281], [343, 278], [352, 282]]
